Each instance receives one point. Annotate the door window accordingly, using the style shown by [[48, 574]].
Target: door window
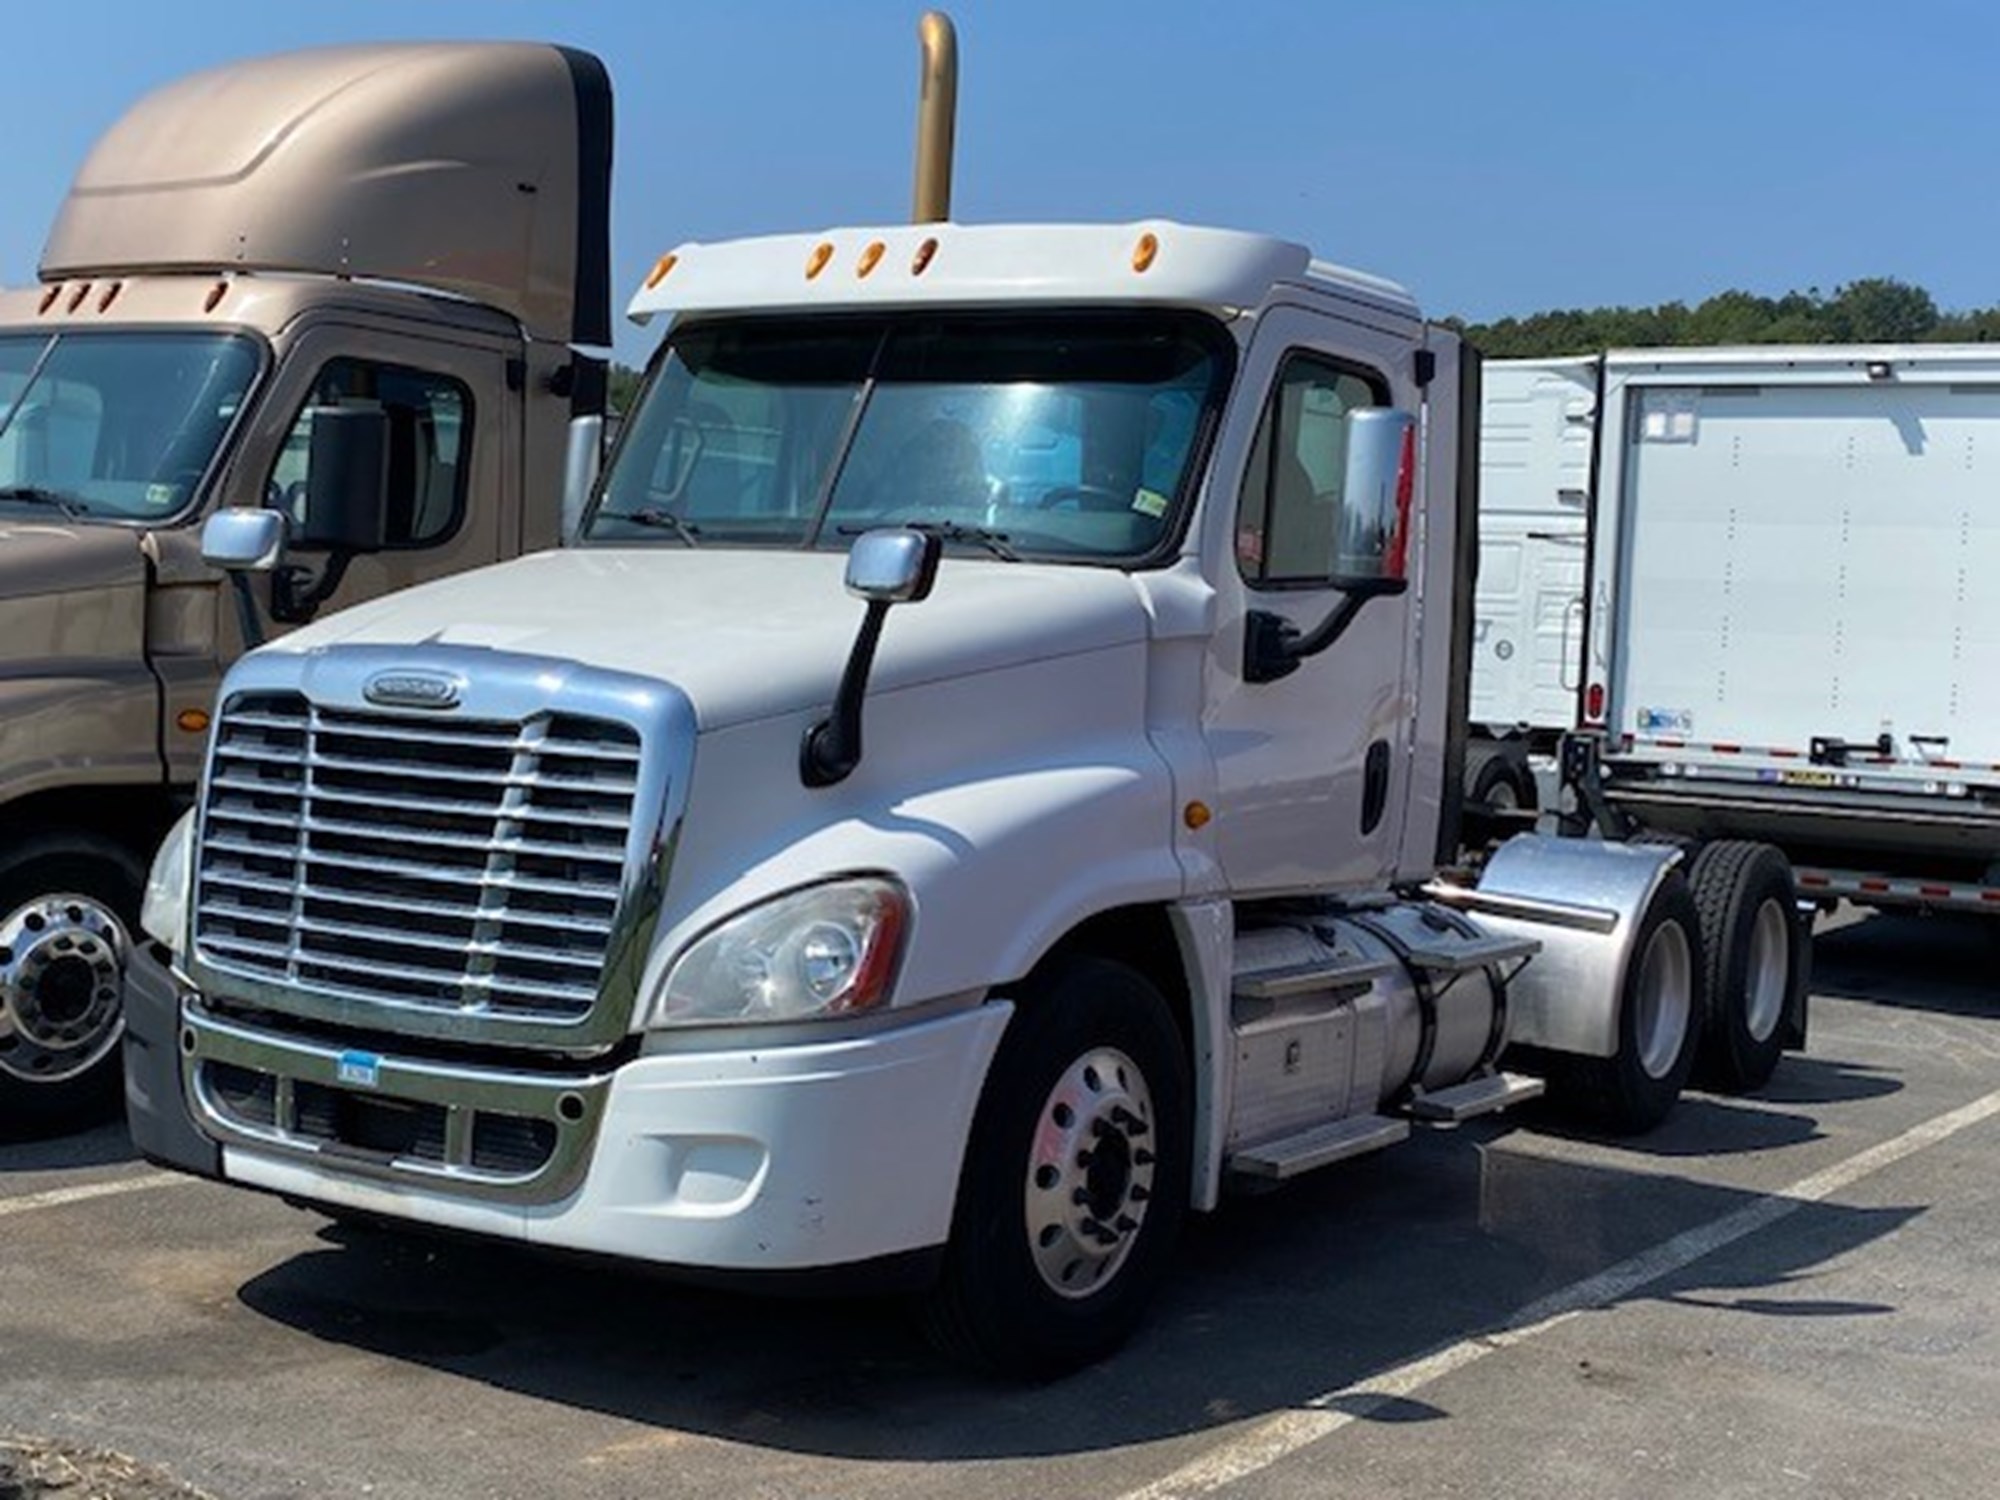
[[430, 428], [1291, 513]]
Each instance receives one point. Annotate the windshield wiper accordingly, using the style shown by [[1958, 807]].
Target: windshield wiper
[[35, 494], [994, 542], [652, 515]]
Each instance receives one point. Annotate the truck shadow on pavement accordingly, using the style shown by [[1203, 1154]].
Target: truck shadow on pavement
[[30, 1150], [1946, 964], [1275, 1301]]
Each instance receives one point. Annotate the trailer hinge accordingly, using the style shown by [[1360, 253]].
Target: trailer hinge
[[1424, 366]]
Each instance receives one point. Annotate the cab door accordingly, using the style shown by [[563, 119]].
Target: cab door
[[1312, 768], [453, 466]]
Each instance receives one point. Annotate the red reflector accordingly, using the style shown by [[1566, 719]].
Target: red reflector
[[1934, 890], [1785, 754], [1880, 887], [1989, 895], [1727, 749], [1593, 703], [1396, 562], [1805, 879]]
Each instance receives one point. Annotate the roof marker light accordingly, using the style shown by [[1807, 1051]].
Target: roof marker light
[[49, 297], [816, 262], [215, 296], [870, 257], [76, 297], [1144, 252], [110, 296], [920, 262], [660, 268]]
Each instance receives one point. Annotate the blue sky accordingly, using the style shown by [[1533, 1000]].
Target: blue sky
[[1495, 157]]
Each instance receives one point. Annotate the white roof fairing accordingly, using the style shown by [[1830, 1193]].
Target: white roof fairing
[[993, 265]]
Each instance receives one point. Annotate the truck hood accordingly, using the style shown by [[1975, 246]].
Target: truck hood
[[747, 634], [38, 557]]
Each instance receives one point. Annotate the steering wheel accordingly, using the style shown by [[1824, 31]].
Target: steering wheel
[[1084, 497]]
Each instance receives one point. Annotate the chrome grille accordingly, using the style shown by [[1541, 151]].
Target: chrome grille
[[441, 864]]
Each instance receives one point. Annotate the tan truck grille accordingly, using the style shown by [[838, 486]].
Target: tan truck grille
[[414, 860]]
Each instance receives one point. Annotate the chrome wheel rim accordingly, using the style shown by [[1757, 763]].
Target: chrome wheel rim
[[1769, 972], [1664, 997], [1090, 1173], [62, 974]]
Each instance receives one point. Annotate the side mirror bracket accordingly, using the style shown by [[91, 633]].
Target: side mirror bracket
[[895, 565], [1273, 646]]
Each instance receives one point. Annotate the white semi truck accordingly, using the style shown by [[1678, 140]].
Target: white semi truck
[[1537, 454], [365, 267], [656, 898]]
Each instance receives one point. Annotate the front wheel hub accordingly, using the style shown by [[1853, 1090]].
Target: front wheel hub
[[1090, 1172], [62, 967]]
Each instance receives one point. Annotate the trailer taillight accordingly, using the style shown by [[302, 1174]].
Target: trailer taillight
[[1593, 703]]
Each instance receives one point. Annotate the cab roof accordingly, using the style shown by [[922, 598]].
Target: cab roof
[[1154, 261], [476, 168]]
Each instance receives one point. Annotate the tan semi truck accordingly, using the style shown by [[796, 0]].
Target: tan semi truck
[[351, 284]]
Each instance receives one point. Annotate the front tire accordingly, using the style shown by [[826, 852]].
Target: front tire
[[1757, 954], [68, 907], [1660, 1009], [1076, 1177], [1497, 778]]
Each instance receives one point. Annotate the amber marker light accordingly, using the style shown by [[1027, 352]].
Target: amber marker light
[[110, 296], [1144, 252], [870, 258], [816, 262], [215, 295], [660, 268], [49, 297], [1196, 815], [193, 720], [920, 262], [76, 297]]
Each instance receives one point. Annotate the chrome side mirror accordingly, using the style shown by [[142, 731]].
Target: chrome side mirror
[[241, 539], [895, 565], [1372, 536]]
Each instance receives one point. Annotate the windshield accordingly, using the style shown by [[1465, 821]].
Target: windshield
[[119, 425], [1040, 435]]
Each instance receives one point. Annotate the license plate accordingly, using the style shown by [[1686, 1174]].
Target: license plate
[[1808, 778], [361, 1069]]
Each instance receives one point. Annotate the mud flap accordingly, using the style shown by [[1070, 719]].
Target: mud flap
[[155, 1108]]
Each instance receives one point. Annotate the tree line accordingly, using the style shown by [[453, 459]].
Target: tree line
[[1875, 310]]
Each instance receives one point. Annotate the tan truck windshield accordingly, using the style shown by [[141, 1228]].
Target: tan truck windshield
[[121, 426]]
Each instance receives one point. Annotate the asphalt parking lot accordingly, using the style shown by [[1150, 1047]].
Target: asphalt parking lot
[[1797, 1294]]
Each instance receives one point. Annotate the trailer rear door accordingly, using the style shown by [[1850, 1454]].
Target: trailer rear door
[[1802, 561]]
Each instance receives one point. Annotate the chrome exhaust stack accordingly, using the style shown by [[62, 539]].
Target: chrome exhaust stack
[[937, 112]]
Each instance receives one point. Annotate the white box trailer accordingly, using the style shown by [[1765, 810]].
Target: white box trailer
[[1794, 632], [1537, 446]]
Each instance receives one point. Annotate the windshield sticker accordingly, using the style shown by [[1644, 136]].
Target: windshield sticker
[[163, 496], [1150, 503], [1666, 721]]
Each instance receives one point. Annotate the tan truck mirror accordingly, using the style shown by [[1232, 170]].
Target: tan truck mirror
[[243, 540], [347, 482]]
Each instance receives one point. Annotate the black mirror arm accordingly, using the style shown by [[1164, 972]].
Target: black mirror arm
[[295, 604], [832, 748], [1273, 646], [246, 611]]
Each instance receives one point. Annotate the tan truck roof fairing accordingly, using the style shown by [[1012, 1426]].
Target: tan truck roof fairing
[[478, 168]]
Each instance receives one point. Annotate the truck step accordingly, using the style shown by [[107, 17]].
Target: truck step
[[1342, 971], [1476, 1096], [1463, 954], [1274, 1161]]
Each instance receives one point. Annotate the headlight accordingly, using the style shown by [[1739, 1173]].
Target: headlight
[[829, 950], [164, 911]]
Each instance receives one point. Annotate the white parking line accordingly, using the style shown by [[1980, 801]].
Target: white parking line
[[1279, 1436], [84, 1192]]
